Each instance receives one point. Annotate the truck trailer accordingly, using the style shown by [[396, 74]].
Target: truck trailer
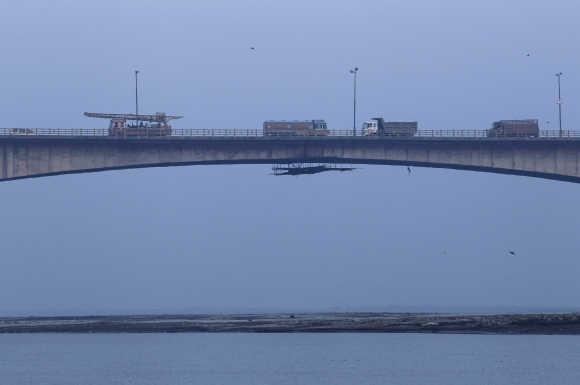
[[527, 128], [295, 128]]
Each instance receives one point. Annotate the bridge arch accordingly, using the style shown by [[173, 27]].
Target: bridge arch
[[29, 157]]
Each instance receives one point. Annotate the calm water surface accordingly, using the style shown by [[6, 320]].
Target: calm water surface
[[224, 359]]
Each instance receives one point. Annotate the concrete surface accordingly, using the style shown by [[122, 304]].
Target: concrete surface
[[36, 156]]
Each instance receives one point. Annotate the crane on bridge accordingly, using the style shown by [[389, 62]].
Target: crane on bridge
[[142, 125]]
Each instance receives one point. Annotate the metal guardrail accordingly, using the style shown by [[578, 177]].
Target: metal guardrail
[[484, 134], [556, 134], [53, 132], [190, 133]]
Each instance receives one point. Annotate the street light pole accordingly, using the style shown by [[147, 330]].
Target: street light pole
[[354, 71], [559, 76], [136, 92]]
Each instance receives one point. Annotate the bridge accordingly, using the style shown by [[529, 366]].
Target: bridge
[[29, 153]]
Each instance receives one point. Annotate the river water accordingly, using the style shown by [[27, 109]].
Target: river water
[[269, 359]]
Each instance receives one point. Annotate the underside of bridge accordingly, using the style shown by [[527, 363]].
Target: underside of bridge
[[29, 157]]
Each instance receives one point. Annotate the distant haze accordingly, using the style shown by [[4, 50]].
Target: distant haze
[[235, 239]]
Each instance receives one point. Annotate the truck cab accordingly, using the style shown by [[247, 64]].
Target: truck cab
[[371, 127]]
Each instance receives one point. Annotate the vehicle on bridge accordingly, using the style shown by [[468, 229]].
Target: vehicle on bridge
[[295, 128], [133, 125], [378, 127], [21, 131], [528, 128]]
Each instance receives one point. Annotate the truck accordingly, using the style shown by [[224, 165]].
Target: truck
[[134, 125], [378, 127], [316, 127], [526, 128]]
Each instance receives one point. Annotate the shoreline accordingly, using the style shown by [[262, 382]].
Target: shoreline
[[547, 324]]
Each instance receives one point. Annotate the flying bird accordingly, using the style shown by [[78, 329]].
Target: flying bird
[[252, 48], [512, 253], [409, 170]]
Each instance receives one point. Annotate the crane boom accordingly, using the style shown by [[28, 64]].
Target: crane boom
[[159, 117]]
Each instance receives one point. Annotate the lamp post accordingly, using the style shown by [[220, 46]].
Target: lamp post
[[354, 71], [559, 76], [136, 92]]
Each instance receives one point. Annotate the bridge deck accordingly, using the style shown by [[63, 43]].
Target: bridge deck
[[43, 152], [254, 133]]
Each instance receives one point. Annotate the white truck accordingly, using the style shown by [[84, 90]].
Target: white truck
[[378, 127]]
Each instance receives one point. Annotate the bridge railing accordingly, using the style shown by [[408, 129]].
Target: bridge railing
[[252, 133], [227, 132], [53, 132], [556, 134]]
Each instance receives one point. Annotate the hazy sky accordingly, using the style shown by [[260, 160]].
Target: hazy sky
[[234, 238]]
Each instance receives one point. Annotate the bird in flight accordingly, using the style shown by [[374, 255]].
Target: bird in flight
[[409, 170], [252, 48], [512, 252]]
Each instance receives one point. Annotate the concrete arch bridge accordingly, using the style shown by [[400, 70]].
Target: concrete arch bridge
[[29, 154]]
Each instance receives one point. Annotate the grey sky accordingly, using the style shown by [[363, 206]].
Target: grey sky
[[234, 238]]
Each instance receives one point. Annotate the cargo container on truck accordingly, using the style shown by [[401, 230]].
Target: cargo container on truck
[[527, 128], [295, 128]]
